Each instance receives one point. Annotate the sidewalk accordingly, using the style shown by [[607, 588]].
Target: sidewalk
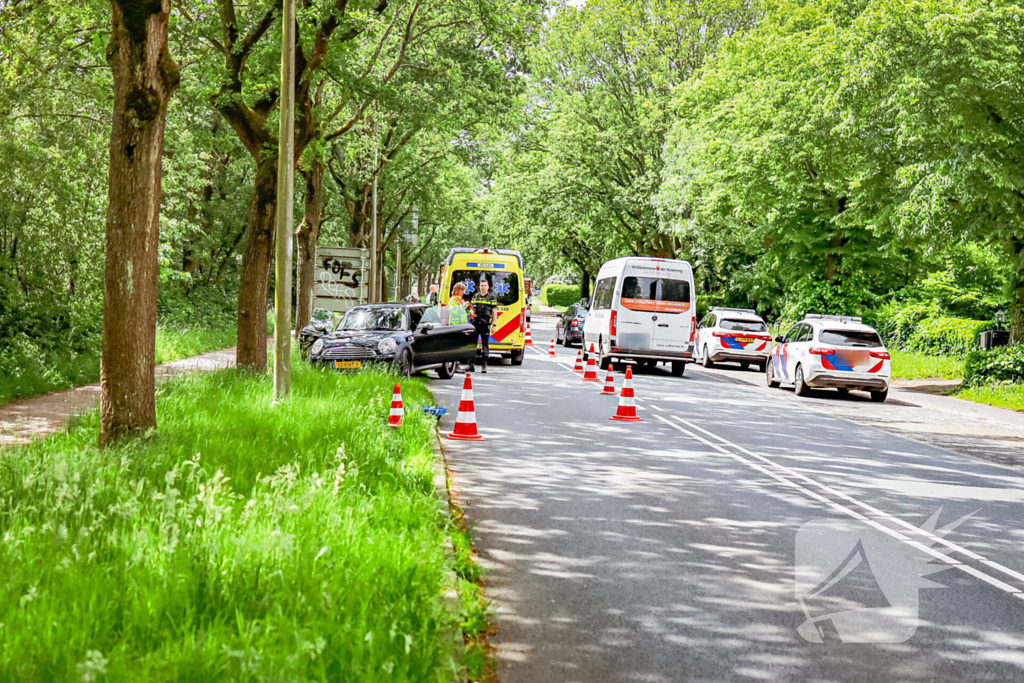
[[31, 418], [966, 427]]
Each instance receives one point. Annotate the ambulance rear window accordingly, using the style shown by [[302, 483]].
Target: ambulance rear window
[[743, 326], [850, 338], [504, 285]]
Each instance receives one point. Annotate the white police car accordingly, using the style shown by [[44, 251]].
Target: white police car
[[828, 351], [733, 335]]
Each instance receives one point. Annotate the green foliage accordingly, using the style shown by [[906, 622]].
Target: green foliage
[[914, 365], [1001, 364], [999, 394], [240, 541], [560, 295]]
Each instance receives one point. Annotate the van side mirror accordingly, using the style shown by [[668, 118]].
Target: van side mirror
[[585, 302], [778, 339]]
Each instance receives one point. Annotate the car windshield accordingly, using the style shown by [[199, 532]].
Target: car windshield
[[743, 326], [373, 318], [867, 338], [504, 286]]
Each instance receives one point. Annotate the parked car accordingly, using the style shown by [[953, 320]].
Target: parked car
[[643, 309], [735, 335], [831, 351], [569, 330], [409, 336]]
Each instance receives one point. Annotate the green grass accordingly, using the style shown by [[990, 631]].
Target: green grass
[[28, 369], [913, 365], [998, 394], [239, 541]]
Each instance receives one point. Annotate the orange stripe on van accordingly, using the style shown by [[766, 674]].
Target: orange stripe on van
[[655, 305]]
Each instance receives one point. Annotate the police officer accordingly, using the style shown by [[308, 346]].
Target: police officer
[[481, 307]]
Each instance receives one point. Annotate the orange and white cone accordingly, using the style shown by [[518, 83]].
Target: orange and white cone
[[627, 404], [579, 362], [529, 339], [609, 384], [465, 421], [551, 351], [397, 409], [591, 374]]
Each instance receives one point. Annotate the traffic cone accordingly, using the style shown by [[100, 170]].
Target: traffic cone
[[529, 339], [627, 404], [609, 384], [591, 374], [579, 362], [397, 410], [465, 421], [551, 351]]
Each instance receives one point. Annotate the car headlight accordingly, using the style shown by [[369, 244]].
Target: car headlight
[[318, 346], [387, 346]]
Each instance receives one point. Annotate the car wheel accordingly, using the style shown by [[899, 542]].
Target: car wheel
[[705, 359], [678, 368], [404, 364], [565, 340], [447, 370], [799, 386], [603, 362], [517, 357], [769, 376], [879, 396]]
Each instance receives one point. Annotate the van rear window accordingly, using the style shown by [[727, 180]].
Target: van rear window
[[504, 285], [655, 294]]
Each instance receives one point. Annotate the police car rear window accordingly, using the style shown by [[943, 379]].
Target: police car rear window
[[867, 338], [743, 326], [504, 285]]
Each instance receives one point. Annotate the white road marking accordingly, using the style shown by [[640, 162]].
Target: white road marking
[[873, 510], [1005, 587]]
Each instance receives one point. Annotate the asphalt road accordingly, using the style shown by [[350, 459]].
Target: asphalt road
[[667, 550]]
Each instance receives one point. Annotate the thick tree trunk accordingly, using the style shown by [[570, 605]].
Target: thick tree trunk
[[585, 284], [251, 352], [307, 236], [1017, 298], [144, 77]]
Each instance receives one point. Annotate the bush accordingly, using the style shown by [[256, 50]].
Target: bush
[[560, 295], [898, 320], [946, 336], [1001, 364]]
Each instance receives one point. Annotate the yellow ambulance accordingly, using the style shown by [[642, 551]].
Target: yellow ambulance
[[503, 269]]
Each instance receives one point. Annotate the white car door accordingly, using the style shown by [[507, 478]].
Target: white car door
[[637, 309], [673, 317], [798, 349], [782, 355]]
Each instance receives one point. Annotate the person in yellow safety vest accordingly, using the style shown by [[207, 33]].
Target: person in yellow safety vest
[[457, 314]]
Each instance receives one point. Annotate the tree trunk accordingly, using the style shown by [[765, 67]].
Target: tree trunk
[[144, 77], [307, 236], [834, 258], [251, 352], [585, 284], [1017, 298]]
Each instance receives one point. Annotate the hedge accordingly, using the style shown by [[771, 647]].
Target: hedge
[[559, 295], [946, 336], [1003, 363]]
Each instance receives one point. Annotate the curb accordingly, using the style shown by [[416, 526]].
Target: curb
[[450, 598]]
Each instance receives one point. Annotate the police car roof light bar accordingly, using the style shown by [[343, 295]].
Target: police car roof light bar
[[734, 310]]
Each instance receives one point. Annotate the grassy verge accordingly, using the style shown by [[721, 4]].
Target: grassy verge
[[912, 365], [27, 369], [1000, 395], [239, 541]]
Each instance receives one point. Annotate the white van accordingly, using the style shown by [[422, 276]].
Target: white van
[[642, 309]]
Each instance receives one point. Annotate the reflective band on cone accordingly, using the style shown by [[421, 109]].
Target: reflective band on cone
[[627, 404], [551, 351], [591, 374], [529, 339], [609, 384], [579, 362], [397, 410], [465, 421]]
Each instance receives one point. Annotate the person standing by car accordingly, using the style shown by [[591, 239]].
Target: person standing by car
[[432, 298], [482, 311]]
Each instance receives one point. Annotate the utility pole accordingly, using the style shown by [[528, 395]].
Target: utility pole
[[398, 268], [285, 209], [375, 276]]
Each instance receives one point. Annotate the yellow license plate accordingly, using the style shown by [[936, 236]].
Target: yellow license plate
[[348, 364], [744, 340]]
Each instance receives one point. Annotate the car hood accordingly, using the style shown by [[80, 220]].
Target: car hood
[[357, 338]]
